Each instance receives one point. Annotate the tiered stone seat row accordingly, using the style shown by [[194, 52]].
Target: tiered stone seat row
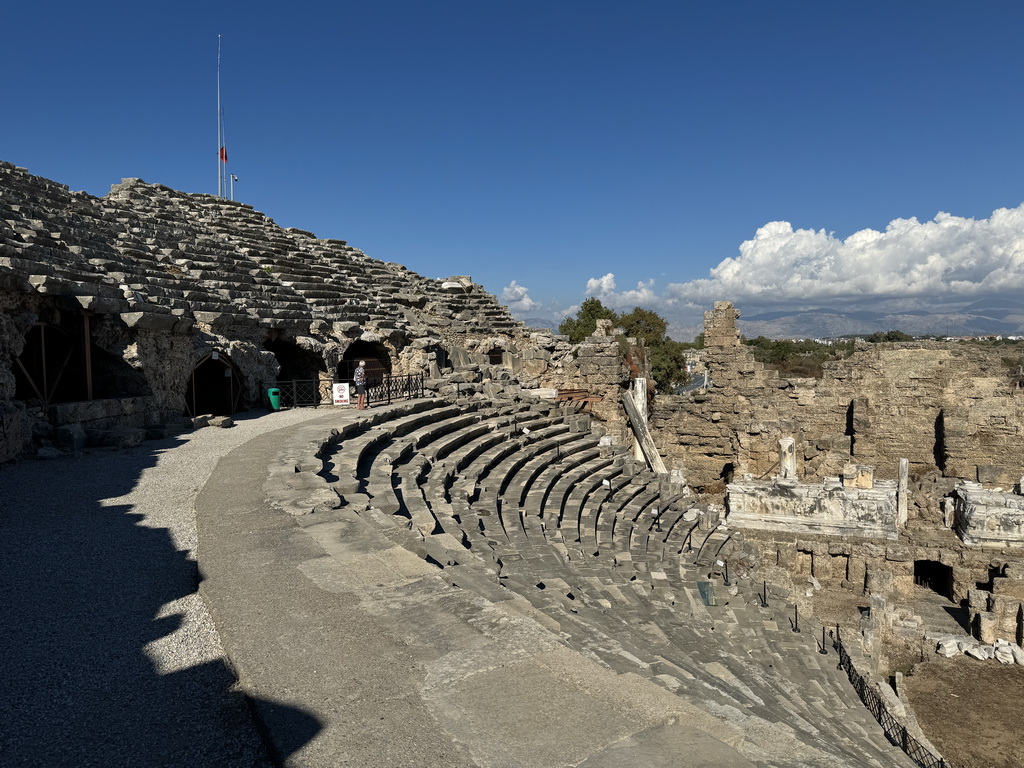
[[514, 495], [145, 247]]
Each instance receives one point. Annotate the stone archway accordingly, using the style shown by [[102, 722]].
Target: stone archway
[[62, 363], [297, 363], [378, 361], [214, 387], [48, 369]]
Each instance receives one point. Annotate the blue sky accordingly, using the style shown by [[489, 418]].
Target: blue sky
[[556, 143]]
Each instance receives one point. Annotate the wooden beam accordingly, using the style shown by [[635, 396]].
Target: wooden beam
[[643, 435]]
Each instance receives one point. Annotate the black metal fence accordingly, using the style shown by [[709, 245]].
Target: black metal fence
[[895, 731], [390, 388], [306, 393]]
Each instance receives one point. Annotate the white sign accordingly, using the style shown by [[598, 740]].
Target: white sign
[[341, 395]]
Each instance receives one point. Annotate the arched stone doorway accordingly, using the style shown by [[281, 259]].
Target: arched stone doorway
[[61, 363], [214, 387], [378, 361], [297, 363], [49, 369]]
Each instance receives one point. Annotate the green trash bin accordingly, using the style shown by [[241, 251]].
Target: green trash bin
[[274, 395]]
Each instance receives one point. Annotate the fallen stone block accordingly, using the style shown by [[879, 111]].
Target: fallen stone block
[[948, 648], [127, 437], [72, 437], [1003, 654], [976, 652]]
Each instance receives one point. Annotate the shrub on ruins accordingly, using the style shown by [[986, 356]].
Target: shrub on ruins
[[667, 357], [800, 358], [664, 356], [584, 323]]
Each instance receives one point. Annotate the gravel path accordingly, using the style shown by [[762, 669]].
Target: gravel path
[[108, 656]]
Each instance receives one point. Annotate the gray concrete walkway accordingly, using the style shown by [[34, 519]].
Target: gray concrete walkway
[[107, 652]]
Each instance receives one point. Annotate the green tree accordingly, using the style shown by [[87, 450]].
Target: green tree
[[667, 357], [880, 336], [584, 323], [645, 325], [797, 358], [668, 364]]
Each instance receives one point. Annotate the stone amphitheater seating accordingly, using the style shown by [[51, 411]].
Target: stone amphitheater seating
[[167, 255], [509, 500]]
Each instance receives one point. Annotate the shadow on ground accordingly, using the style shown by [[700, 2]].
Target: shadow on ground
[[81, 585]]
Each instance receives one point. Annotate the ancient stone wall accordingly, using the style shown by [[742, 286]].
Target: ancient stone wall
[[945, 407], [168, 278]]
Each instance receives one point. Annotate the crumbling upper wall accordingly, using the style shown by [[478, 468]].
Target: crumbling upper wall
[[944, 407]]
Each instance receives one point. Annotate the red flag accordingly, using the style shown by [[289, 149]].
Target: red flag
[[223, 154]]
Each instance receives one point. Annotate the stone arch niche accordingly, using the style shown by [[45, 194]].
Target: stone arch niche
[[49, 368], [61, 363], [297, 363], [496, 356], [215, 386], [378, 361]]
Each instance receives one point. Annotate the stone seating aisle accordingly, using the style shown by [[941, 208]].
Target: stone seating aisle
[[626, 592], [758, 675]]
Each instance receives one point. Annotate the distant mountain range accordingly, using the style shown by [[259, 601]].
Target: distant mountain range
[[540, 322], [982, 318], [985, 317]]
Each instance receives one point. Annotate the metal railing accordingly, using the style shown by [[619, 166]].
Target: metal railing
[[304, 393], [309, 393], [390, 388], [894, 730]]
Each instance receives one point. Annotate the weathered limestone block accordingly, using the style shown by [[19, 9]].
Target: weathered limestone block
[[994, 474], [71, 437], [856, 573], [15, 431], [125, 437], [821, 567], [879, 581], [858, 476], [988, 518], [786, 505]]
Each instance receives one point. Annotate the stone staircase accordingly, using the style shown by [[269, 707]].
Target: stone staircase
[[521, 499]]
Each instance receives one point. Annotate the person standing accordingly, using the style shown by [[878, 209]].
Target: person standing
[[359, 379]]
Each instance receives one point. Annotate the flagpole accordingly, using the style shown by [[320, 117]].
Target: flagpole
[[220, 143]]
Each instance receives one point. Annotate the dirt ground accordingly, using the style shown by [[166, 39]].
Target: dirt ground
[[970, 710]]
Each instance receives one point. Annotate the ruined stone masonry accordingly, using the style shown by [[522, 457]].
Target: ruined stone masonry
[[898, 469], [120, 314], [949, 408], [123, 315]]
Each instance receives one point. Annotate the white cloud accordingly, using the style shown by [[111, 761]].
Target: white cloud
[[949, 257], [517, 298], [603, 288]]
